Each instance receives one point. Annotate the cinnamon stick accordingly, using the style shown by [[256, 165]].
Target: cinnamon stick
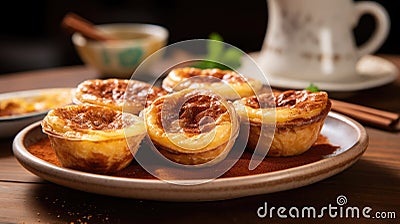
[[78, 24], [372, 116], [386, 114]]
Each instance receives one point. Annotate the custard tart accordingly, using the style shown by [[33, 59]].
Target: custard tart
[[296, 117], [111, 93], [93, 138], [229, 84], [192, 126]]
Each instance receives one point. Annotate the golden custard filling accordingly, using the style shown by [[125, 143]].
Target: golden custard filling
[[88, 122], [196, 115], [282, 107], [229, 84], [109, 91], [112, 93], [190, 120], [188, 72]]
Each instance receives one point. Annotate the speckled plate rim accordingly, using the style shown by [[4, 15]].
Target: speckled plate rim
[[218, 189]]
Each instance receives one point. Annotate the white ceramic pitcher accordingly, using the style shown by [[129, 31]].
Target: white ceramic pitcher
[[313, 39]]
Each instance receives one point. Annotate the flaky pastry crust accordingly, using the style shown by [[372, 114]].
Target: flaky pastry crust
[[192, 127], [93, 138], [296, 116], [228, 83]]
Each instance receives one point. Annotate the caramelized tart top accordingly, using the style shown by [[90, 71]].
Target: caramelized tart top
[[191, 120], [111, 92], [89, 117], [283, 107], [227, 83], [206, 75], [195, 112], [91, 122]]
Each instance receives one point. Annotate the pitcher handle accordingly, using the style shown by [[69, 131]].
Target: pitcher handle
[[382, 26]]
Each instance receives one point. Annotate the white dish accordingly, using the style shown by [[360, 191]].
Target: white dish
[[340, 130], [373, 71], [10, 125]]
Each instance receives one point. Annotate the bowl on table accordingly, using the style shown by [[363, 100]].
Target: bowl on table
[[119, 58]]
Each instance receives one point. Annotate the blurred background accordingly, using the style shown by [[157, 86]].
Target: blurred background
[[31, 36]]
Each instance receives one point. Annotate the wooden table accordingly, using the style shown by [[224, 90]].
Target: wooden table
[[373, 181]]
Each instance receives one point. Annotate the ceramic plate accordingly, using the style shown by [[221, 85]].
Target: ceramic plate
[[10, 125], [373, 71], [340, 130]]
